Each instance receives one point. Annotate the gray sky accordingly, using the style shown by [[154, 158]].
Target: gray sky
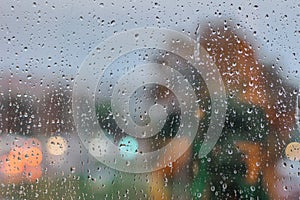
[[49, 41]]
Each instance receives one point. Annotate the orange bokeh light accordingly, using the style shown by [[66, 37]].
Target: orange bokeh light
[[33, 156], [24, 161]]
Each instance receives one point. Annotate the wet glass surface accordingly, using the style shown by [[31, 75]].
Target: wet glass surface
[[149, 100]]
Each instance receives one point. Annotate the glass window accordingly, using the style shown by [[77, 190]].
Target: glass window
[[149, 100]]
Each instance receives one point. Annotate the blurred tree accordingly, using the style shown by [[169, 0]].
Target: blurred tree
[[17, 112], [55, 111], [254, 90]]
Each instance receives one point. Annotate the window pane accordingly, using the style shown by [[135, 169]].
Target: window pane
[[149, 100]]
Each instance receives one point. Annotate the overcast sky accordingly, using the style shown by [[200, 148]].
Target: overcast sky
[[46, 41]]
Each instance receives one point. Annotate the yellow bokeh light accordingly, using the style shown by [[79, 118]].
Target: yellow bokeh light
[[56, 145], [292, 151]]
